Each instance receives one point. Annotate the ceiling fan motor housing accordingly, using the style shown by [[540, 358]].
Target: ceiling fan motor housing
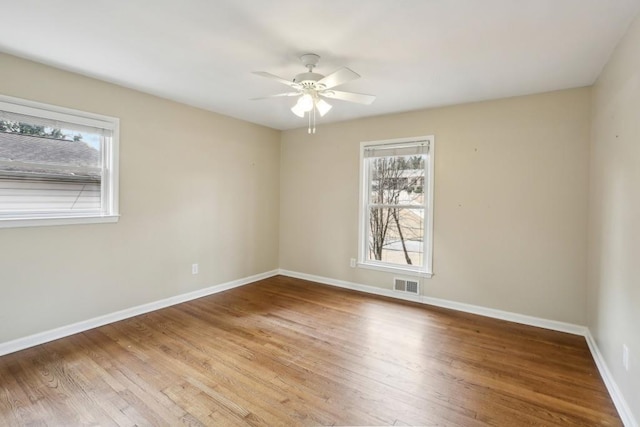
[[308, 80]]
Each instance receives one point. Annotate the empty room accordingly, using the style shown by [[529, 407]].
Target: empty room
[[408, 213]]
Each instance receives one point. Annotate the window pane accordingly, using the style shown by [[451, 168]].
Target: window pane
[[396, 235], [46, 169], [32, 196], [49, 154], [396, 205], [57, 165], [397, 180]]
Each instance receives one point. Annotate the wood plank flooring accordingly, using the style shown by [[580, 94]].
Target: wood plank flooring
[[285, 352]]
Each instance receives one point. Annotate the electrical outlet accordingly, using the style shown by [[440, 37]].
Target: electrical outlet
[[625, 357], [352, 263], [194, 268]]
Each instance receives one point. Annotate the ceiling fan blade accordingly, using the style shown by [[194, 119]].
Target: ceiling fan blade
[[277, 95], [339, 77], [360, 98], [274, 77]]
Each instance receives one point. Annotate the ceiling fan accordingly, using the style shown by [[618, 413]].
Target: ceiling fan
[[311, 88]]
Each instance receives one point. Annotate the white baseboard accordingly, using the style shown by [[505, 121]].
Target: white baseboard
[[618, 399], [524, 319], [64, 331], [467, 308], [350, 285], [616, 395]]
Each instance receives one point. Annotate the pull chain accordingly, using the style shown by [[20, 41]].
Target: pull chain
[[314, 119]]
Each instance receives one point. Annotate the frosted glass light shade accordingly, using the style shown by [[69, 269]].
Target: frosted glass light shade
[[323, 107], [304, 104], [297, 110]]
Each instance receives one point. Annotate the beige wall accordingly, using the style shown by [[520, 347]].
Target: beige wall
[[510, 201], [194, 187], [614, 220]]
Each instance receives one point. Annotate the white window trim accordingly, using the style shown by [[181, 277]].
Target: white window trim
[[110, 193], [426, 270], [59, 220]]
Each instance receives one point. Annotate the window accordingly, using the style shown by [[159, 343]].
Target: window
[[57, 166], [396, 209]]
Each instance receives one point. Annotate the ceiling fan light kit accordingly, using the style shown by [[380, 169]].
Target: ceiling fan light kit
[[311, 87], [304, 105]]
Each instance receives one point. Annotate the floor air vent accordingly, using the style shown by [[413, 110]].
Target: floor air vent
[[406, 285]]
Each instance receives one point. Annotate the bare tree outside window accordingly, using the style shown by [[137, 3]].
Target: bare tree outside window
[[396, 203]]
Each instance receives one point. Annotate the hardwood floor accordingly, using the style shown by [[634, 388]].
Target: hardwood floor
[[288, 352]]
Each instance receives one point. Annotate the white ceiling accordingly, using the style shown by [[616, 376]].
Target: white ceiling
[[412, 54]]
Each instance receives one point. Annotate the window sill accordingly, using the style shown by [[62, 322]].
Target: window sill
[[397, 270], [58, 220]]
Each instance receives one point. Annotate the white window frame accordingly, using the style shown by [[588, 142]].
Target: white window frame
[[426, 270], [110, 172]]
